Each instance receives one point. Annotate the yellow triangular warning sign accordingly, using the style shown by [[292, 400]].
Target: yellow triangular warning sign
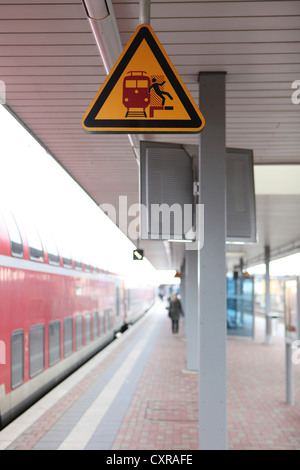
[[143, 93]]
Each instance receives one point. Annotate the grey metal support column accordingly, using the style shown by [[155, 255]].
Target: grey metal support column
[[240, 292], [191, 309], [289, 374], [183, 289], [212, 266], [268, 299]]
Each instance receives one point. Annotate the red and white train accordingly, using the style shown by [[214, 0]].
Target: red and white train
[[55, 313]]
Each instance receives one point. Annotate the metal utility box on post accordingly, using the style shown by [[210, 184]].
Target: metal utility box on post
[[240, 197], [166, 191]]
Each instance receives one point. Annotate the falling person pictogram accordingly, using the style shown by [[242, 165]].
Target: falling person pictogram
[[157, 88]]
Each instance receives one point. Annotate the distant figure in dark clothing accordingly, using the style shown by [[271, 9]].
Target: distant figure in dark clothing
[[175, 310]]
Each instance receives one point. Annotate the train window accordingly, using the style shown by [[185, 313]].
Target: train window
[[68, 336], [64, 250], [142, 83], [67, 262], [66, 254], [54, 342], [108, 319], [17, 358], [77, 259], [88, 328], [53, 254], [78, 265], [79, 332], [128, 299], [14, 236], [36, 350], [130, 83], [36, 252], [102, 326], [95, 325], [87, 267]]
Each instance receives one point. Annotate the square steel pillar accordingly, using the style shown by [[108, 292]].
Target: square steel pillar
[[212, 266]]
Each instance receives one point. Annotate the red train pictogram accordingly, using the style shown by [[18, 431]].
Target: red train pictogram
[[136, 96]]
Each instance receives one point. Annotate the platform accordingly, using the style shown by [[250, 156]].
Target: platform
[[134, 394], [137, 395]]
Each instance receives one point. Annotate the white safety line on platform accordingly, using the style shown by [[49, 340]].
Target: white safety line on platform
[[89, 422]]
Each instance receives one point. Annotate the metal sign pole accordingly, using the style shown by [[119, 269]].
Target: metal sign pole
[[145, 11], [289, 374], [268, 298]]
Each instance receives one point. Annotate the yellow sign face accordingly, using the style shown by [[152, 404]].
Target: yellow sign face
[[143, 94]]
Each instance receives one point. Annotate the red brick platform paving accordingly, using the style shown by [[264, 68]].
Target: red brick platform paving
[[163, 413], [258, 417]]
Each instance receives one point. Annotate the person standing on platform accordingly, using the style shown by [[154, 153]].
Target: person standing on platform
[[175, 310]]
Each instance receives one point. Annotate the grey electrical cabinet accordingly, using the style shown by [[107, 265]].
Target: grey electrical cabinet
[[166, 191], [167, 196], [240, 196]]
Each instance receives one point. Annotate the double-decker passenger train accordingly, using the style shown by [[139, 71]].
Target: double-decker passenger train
[[56, 312]]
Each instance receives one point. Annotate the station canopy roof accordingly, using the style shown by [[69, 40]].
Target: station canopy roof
[[52, 69]]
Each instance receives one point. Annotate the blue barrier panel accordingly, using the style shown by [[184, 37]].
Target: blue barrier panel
[[240, 306]]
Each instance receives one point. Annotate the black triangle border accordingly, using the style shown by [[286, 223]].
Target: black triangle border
[[148, 126]]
